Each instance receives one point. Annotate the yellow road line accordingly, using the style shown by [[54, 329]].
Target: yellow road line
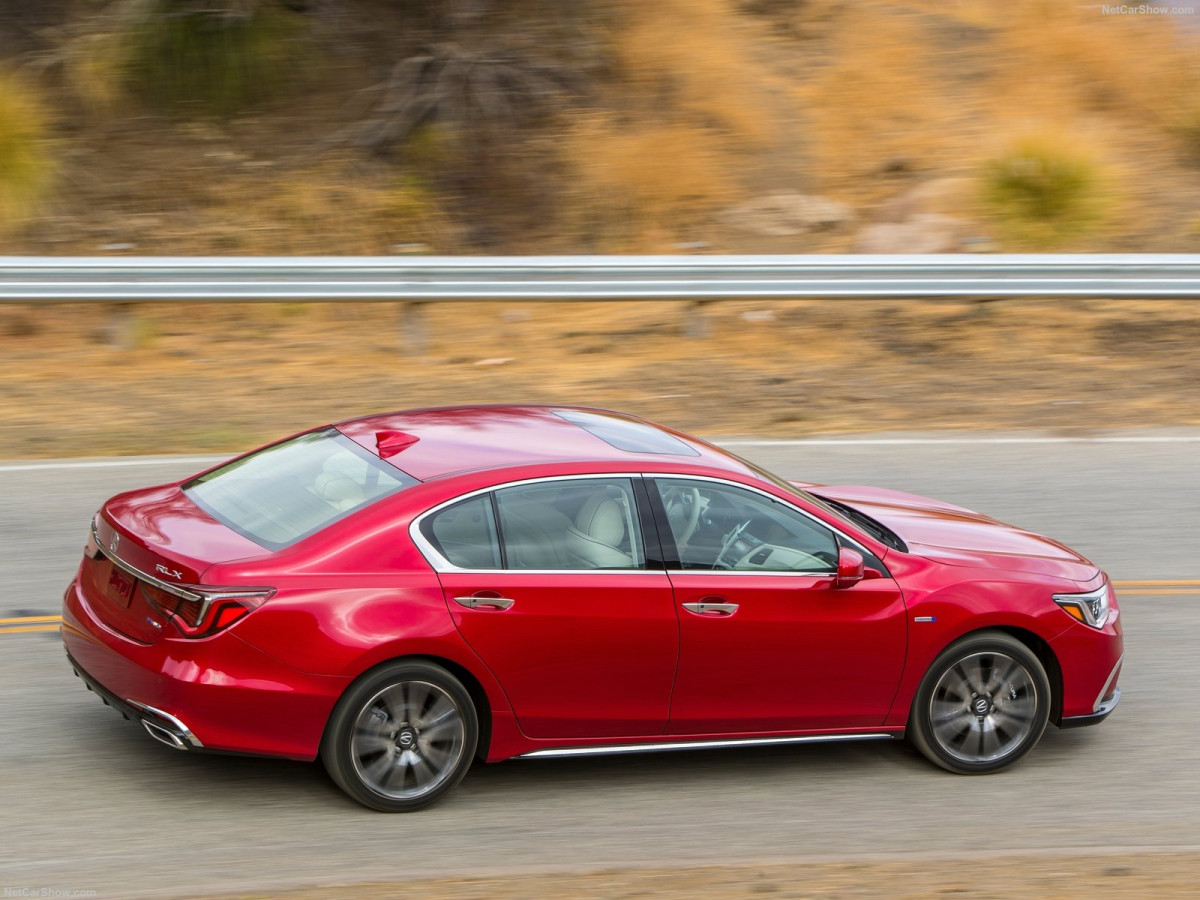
[[26, 628], [25, 619]]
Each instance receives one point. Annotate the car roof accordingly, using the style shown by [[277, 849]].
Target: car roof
[[451, 440]]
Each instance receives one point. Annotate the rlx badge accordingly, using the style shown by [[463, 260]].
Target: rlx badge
[[174, 573]]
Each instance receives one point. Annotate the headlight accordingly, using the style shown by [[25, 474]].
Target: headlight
[[1091, 608]]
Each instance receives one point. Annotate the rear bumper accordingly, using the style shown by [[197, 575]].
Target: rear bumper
[[160, 725], [215, 693]]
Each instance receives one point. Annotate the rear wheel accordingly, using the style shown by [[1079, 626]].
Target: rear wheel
[[401, 738], [983, 704]]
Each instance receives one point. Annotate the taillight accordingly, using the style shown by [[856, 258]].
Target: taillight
[[217, 610], [202, 611]]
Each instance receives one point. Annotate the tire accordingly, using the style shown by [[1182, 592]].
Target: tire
[[983, 704], [402, 737]]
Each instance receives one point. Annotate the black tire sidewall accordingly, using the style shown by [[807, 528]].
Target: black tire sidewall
[[920, 727], [335, 747]]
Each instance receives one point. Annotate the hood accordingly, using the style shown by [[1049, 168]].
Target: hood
[[960, 537]]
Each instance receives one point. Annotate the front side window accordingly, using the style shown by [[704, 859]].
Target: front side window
[[570, 524], [722, 527], [290, 490]]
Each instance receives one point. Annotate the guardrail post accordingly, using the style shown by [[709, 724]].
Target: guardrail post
[[697, 324], [122, 326], [414, 333]]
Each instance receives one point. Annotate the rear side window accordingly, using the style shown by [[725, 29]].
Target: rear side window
[[293, 489], [465, 534]]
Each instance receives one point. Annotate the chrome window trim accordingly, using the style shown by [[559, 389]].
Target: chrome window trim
[[442, 565]]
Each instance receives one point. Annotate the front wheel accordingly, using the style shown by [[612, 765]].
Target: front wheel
[[401, 738], [982, 705]]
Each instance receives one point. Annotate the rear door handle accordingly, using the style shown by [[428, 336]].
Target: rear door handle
[[711, 608], [485, 601]]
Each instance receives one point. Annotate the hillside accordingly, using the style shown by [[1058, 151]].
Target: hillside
[[532, 126]]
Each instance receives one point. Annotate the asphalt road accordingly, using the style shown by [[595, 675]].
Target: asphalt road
[[89, 803]]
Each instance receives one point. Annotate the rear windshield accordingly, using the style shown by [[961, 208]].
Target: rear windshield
[[290, 490]]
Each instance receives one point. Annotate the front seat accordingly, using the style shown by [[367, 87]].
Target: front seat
[[593, 540]]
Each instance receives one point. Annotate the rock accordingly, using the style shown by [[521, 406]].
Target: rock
[[927, 233], [790, 213], [941, 196]]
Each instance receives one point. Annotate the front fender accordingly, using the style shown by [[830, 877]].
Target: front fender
[[939, 617]]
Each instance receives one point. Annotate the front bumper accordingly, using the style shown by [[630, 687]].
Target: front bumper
[[1101, 713], [1090, 660]]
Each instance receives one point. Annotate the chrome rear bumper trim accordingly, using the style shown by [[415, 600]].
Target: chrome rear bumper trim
[[668, 746]]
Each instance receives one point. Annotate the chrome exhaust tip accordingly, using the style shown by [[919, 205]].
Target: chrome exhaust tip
[[164, 736], [165, 728]]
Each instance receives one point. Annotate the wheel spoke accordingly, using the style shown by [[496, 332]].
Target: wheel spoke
[[1002, 670], [377, 771], [370, 741], [423, 771], [441, 712], [989, 742]]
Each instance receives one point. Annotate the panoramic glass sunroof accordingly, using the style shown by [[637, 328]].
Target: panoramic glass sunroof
[[627, 435]]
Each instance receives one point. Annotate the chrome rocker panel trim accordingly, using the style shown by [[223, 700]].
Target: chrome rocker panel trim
[[669, 746]]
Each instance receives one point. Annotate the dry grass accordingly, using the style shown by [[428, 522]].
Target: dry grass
[[640, 187], [334, 209], [1045, 189], [1076, 876], [699, 58], [229, 376], [179, 60], [26, 167], [882, 99]]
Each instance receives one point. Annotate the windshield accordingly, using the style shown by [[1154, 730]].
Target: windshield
[[842, 511], [295, 488]]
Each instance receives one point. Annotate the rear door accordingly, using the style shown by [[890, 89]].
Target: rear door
[[548, 582]]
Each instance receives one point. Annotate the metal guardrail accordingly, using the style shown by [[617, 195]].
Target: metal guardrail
[[38, 280]]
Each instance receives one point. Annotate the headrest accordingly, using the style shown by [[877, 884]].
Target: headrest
[[602, 519]]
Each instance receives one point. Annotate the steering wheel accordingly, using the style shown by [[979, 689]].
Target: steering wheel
[[729, 542], [683, 511]]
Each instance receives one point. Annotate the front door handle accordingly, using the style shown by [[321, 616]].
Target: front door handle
[[485, 601], [711, 608]]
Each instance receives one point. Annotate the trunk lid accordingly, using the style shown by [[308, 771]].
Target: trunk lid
[[148, 537]]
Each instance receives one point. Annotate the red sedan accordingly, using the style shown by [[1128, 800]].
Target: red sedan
[[401, 594]]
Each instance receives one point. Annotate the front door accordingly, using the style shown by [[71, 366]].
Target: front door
[[766, 642], [548, 583]]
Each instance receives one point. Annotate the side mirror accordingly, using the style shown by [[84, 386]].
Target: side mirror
[[850, 568]]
